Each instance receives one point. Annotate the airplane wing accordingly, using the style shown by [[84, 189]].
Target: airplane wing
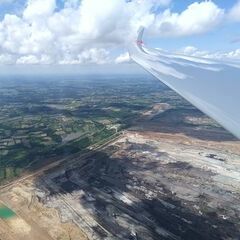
[[213, 86]]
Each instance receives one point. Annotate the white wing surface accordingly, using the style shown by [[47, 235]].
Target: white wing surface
[[210, 85]]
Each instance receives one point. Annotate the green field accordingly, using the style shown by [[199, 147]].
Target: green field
[[44, 119]]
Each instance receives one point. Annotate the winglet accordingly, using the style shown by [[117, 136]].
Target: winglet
[[140, 36]]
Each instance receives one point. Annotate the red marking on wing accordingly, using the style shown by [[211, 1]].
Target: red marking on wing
[[139, 42]]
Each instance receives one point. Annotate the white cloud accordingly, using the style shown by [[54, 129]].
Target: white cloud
[[86, 30], [80, 32], [234, 13], [231, 55], [123, 58], [39, 8], [198, 18], [189, 50], [6, 59], [193, 51], [32, 59], [93, 55]]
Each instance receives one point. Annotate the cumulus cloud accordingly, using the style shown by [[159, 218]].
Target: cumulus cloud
[[39, 9], [85, 31], [188, 50], [198, 18], [6, 59], [32, 59], [93, 55], [233, 55], [77, 33], [193, 51], [123, 58], [234, 13]]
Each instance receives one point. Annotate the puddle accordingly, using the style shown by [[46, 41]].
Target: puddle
[[5, 212]]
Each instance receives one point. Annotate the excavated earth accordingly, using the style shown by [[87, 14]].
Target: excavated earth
[[174, 177]]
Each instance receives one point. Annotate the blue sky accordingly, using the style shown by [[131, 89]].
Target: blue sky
[[11, 7], [99, 31], [219, 39], [180, 5]]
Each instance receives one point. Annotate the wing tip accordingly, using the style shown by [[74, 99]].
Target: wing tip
[[140, 35]]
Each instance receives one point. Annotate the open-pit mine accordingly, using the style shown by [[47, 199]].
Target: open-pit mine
[[160, 179]]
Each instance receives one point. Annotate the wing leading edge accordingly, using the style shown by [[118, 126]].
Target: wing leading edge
[[210, 85]]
